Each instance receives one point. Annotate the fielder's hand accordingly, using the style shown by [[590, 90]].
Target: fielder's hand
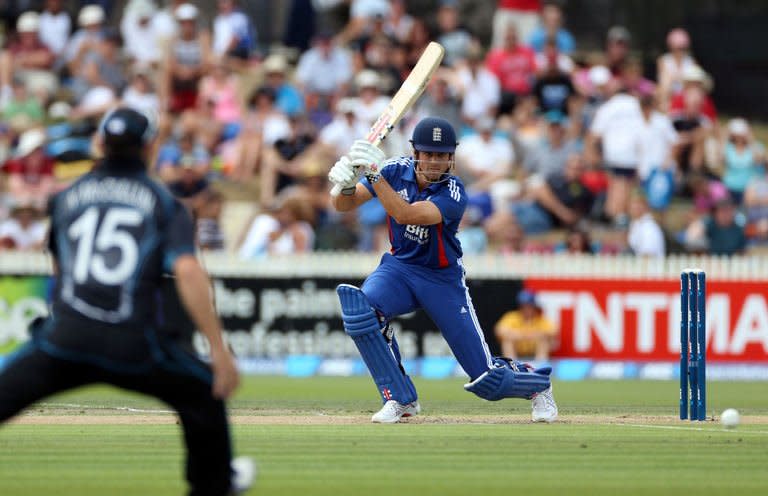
[[369, 157], [225, 375]]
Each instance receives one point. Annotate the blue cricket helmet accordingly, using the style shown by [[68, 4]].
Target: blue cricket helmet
[[434, 134]]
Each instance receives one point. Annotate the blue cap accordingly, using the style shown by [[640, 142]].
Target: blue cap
[[526, 297], [434, 134]]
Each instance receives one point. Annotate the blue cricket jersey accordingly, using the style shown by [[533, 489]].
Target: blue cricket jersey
[[434, 246]]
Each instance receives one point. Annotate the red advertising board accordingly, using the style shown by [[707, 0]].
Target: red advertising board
[[640, 319]]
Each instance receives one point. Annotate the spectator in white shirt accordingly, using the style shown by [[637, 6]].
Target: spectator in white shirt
[[85, 42], [483, 158], [23, 230], [140, 93], [478, 86], [164, 21], [233, 33], [55, 26], [645, 237], [324, 70], [336, 138], [657, 139], [370, 103], [141, 39], [618, 126]]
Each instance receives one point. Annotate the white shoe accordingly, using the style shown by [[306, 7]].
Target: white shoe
[[243, 474], [392, 412], [544, 407]]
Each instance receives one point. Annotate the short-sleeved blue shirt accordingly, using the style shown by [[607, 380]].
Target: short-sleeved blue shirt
[[434, 246]]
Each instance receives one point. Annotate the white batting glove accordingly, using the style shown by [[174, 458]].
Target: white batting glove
[[344, 174], [369, 157]]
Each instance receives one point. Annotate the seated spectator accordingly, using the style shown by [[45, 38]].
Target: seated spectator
[[30, 172], [722, 233], [24, 230], [234, 35], [439, 100], [283, 164], [337, 137], [634, 81], [455, 39], [55, 26], [743, 158], [399, 24], [85, 42], [515, 66], [184, 153], [185, 61], [323, 73], [30, 59], [562, 199], [219, 104], [478, 87], [525, 127], [553, 88], [207, 215], [756, 209], [370, 102], [526, 332], [472, 235], [693, 128], [698, 81], [140, 93], [484, 158], [706, 191], [22, 110], [550, 154], [577, 242], [505, 235], [289, 99], [657, 139], [551, 27], [645, 237], [101, 68], [617, 48], [139, 32], [285, 229], [671, 66]]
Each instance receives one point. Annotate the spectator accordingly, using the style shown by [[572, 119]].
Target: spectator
[[180, 154], [693, 128], [399, 24], [645, 237], [185, 61], [139, 32], [526, 128], [526, 332], [140, 94], [561, 199], [478, 87], [85, 42], [440, 101], [505, 235], [595, 86], [554, 88], [618, 125], [30, 172], [633, 80], [524, 13], [55, 26], [455, 39], [671, 66], [577, 242], [207, 214], [283, 164], [617, 42], [289, 99], [483, 158], [551, 27], [756, 209], [706, 191], [420, 37], [28, 50], [337, 137], [698, 82], [165, 22], [323, 73], [743, 158], [362, 14], [285, 229], [515, 66], [23, 110], [370, 102], [23, 230], [233, 32], [219, 100], [191, 185], [720, 234], [550, 155], [657, 139], [472, 235]]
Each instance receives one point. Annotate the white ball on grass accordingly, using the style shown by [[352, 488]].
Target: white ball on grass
[[730, 418]]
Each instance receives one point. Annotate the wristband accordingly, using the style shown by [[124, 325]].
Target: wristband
[[373, 178]]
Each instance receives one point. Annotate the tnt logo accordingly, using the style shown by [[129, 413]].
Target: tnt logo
[[437, 134]]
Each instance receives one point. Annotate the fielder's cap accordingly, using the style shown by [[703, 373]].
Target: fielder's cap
[[29, 22], [126, 127], [619, 33], [526, 297], [738, 127], [434, 134], [30, 141], [275, 64], [186, 12], [599, 75], [90, 15], [367, 79]]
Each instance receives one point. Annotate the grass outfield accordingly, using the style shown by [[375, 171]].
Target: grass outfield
[[312, 437]]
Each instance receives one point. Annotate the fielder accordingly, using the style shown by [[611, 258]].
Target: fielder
[[114, 234], [424, 203]]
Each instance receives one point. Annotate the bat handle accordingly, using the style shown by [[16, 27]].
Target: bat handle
[[336, 190]]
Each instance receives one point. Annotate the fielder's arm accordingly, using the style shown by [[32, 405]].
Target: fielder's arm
[[192, 284], [420, 213]]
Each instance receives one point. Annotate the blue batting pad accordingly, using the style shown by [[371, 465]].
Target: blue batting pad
[[362, 325]]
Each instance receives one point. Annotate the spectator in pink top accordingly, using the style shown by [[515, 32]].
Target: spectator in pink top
[[515, 66]]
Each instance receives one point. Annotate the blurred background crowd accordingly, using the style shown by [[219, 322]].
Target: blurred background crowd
[[561, 148]]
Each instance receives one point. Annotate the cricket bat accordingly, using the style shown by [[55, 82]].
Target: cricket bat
[[405, 97]]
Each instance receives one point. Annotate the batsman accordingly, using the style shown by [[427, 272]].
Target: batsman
[[424, 202]]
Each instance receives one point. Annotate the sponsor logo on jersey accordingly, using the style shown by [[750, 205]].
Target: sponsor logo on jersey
[[419, 234]]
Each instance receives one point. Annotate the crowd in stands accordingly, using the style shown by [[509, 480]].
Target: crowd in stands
[[553, 139]]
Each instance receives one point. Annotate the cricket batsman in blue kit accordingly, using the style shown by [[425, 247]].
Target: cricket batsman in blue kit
[[424, 204]]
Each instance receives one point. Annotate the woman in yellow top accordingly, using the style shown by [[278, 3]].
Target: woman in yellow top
[[526, 331]]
